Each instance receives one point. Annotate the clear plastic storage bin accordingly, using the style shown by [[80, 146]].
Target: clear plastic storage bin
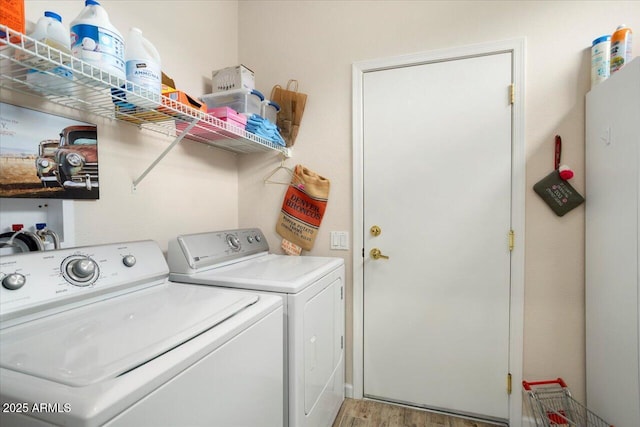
[[243, 101], [270, 110]]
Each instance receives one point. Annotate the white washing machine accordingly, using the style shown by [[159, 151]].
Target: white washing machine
[[99, 336], [312, 290]]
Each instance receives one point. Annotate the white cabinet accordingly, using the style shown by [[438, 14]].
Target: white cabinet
[[612, 247]]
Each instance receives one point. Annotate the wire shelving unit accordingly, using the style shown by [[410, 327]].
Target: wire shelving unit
[[79, 85]]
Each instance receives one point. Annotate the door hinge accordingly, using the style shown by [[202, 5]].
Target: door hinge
[[362, 252], [342, 341], [512, 240], [512, 93], [341, 296], [509, 383]]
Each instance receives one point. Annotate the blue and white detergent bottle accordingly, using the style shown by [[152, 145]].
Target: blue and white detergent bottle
[[50, 31], [96, 41], [600, 59]]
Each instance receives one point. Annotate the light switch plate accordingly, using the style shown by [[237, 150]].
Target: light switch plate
[[340, 240]]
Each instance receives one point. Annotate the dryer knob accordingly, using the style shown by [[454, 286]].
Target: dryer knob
[[129, 260], [14, 281], [82, 269], [233, 242]]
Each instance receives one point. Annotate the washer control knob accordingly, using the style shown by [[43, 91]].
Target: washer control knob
[[129, 260], [14, 281], [233, 242], [250, 239], [82, 269], [258, 238]]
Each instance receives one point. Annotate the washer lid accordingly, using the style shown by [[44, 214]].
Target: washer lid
[[103, 340], [271, 272]]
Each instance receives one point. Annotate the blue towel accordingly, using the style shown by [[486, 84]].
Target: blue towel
[[264, 128]]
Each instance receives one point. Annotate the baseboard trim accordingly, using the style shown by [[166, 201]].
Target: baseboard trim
[[348, 390], [526, 420]]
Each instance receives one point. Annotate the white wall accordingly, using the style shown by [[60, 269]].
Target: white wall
[[194, 188], [316, 42]]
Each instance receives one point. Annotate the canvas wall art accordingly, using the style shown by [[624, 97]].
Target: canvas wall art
[[47, 156]]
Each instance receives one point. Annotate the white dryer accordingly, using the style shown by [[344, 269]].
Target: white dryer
[[98, 336], [312, 290]]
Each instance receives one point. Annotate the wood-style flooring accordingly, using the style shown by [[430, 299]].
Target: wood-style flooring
[[367, 413]]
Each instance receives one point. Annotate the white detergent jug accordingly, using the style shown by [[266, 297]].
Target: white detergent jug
[[50, 31], [96, 41], [143, 65]]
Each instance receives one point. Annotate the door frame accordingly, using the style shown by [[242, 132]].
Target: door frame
[[516, 314]]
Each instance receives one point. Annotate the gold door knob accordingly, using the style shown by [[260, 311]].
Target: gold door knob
[[377, 254], [375, 230]]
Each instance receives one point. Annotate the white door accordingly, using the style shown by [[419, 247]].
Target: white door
[[437, 150]]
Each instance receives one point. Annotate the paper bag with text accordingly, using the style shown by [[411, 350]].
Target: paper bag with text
[[292, 104], [303, 207]]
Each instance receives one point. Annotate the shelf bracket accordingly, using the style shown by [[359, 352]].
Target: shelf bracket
[[164, 153]]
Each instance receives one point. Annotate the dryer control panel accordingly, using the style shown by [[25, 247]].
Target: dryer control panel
[[194, 252], [38, 283]]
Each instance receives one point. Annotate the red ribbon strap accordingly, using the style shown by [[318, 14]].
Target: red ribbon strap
[[558, 151]]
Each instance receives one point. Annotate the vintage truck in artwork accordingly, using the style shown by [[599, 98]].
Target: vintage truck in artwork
[[46, 167], [76, 157]]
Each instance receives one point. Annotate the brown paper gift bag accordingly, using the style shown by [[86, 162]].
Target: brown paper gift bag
[[303, 207], [292, 105]]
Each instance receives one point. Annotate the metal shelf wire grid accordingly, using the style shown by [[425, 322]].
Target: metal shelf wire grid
[[91, 89]]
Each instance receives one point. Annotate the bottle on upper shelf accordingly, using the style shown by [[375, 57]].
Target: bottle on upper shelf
[[46, 76]]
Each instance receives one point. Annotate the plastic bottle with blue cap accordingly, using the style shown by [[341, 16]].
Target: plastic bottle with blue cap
[[50, 31], [96, 41]]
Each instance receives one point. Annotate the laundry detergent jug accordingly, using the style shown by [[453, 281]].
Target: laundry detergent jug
[[96, 41], [143, 65], [46, 76]]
